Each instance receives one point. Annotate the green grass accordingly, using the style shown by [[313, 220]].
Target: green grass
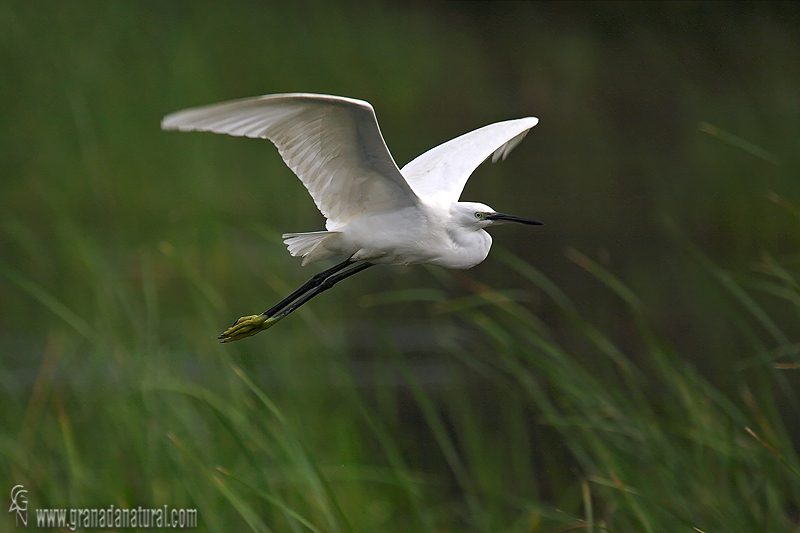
[[531, 429]]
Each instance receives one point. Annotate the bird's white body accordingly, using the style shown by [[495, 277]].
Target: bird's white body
[[375, 212], [425, 233]]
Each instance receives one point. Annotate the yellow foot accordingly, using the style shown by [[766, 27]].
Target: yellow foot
[[247, 326]]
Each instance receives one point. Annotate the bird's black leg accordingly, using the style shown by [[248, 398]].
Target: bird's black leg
[[315, 281], [326, 284], [250, 325]]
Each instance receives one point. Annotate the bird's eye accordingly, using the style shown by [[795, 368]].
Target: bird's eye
[[478, 215]]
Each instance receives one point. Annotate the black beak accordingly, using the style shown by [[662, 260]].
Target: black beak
[[513, 218]]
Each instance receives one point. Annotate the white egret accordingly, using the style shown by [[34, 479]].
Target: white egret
[[376, 213]]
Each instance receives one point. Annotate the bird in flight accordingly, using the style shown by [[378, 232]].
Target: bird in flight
[[376, 213]]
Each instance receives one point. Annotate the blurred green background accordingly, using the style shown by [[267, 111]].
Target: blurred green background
[[630, 366]]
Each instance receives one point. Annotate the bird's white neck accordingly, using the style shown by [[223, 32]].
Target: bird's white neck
[[470, 247]]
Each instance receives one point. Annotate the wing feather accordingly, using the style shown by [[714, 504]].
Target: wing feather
[[440, 174], [333, 144]]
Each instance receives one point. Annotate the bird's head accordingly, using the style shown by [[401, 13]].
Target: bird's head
[[478, 216]]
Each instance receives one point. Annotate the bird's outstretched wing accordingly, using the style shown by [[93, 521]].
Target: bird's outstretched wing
[[441, 173], [333, 144]]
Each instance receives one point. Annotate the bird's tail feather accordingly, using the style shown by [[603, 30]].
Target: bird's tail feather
[[309, 245]]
